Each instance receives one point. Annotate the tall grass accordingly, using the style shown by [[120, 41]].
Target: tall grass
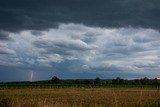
[[80, 97]]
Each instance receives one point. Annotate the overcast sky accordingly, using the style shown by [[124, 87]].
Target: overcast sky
[[79, 39]]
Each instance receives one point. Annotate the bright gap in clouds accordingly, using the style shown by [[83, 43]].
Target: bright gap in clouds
[[76, 48]]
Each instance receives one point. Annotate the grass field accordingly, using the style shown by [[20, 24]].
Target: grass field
[[80, 97]]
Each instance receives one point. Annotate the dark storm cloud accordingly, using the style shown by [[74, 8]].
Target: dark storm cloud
[[37, 33], [18, 15], [4, 35]]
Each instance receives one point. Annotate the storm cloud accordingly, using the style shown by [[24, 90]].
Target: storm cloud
[[19, 15], [79, 38], [4, 36], [76, 48]]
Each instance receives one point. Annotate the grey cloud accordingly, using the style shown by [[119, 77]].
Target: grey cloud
[[107, 46], [37, 33], [146, 66], [5, 50], [62, 47], [4, 35], [152, 36], [76, 49], [90, 37], [126, 50], [19, 15]]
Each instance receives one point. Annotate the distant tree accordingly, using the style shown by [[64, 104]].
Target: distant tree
[[121, 81], [156, 82], [144, 81], [77, 81], [55, 79], [109, 81], [136, 82], [97, 80], [87, 82], [118, 80]]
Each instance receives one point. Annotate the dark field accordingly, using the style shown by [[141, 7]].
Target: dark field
[[80, 97]]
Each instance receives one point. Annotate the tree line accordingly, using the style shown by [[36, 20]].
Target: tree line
[[117, 81], [56, 82]]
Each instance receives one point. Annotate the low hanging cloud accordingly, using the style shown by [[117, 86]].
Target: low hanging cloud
[[77, 48]]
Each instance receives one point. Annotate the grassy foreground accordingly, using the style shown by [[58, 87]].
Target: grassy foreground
[[80, 97]]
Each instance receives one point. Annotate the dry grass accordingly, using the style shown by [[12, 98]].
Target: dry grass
[[80, 97]]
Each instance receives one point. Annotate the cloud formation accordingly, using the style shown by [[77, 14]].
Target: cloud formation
[[4, 36], [76, 48], [80, 38], [20, 15]]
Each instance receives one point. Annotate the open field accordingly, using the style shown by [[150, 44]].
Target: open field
[[80, 97]]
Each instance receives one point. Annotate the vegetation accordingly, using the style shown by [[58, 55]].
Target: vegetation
[[55, 82], [118, 81], [81, 93], [80, 97]]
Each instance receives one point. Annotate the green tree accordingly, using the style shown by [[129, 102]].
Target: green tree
[[97, 80], [144, 81], [55, 79]]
